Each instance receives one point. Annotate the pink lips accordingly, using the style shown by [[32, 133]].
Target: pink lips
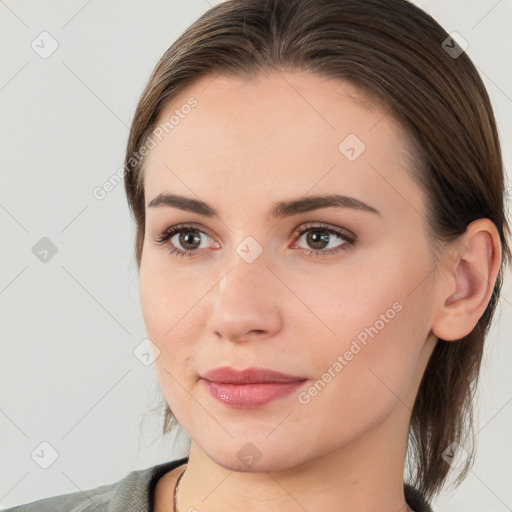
[[249, 388]]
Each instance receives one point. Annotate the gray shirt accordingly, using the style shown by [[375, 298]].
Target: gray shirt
[[135, 493]]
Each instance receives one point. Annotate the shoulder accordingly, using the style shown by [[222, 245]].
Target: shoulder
[[133, 492], [92, 499]]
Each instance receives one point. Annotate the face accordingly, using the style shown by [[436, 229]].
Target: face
[[338, 294]]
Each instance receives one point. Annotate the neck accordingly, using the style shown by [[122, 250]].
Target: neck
[[363, 476]]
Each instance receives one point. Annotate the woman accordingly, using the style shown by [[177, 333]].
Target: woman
[[321, 239]]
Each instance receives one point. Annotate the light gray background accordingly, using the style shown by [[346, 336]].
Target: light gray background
[[70, 325]]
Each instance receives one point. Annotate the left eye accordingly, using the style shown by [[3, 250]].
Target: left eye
[[322, 239], [319, 237]]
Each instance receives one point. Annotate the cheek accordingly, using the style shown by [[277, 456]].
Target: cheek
[[174, 310], [361, 379], [170, 299], [170, 318], [379, 316], [343, 302], [376, 290]]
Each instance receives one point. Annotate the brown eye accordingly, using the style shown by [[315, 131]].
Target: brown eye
[[188, 238], [318, 238], [323, 240], [183, 240]]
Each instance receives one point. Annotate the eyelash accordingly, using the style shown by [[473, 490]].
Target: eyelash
[[349, 240]]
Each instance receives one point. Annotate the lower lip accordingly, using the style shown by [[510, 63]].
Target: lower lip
[[250, 396]]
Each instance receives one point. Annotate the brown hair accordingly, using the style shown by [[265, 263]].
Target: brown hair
[[401, 56]]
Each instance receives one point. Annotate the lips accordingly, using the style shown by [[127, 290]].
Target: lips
[[249, 388], [228, 375]]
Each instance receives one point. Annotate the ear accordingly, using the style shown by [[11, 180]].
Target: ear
[[468, 282]]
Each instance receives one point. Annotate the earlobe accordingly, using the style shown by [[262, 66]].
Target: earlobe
[[470, 278]]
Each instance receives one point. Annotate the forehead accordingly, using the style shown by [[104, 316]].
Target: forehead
[[282, 132]]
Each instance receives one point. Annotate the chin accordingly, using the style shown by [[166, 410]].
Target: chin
[[256, 457]]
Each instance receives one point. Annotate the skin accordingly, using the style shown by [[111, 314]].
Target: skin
[[245, 146]]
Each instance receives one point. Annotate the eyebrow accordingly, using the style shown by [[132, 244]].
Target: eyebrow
[[279, 210]]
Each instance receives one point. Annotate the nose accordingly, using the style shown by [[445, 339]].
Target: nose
[[247, 303]]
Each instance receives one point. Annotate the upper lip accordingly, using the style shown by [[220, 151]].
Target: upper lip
[[252, 375]]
